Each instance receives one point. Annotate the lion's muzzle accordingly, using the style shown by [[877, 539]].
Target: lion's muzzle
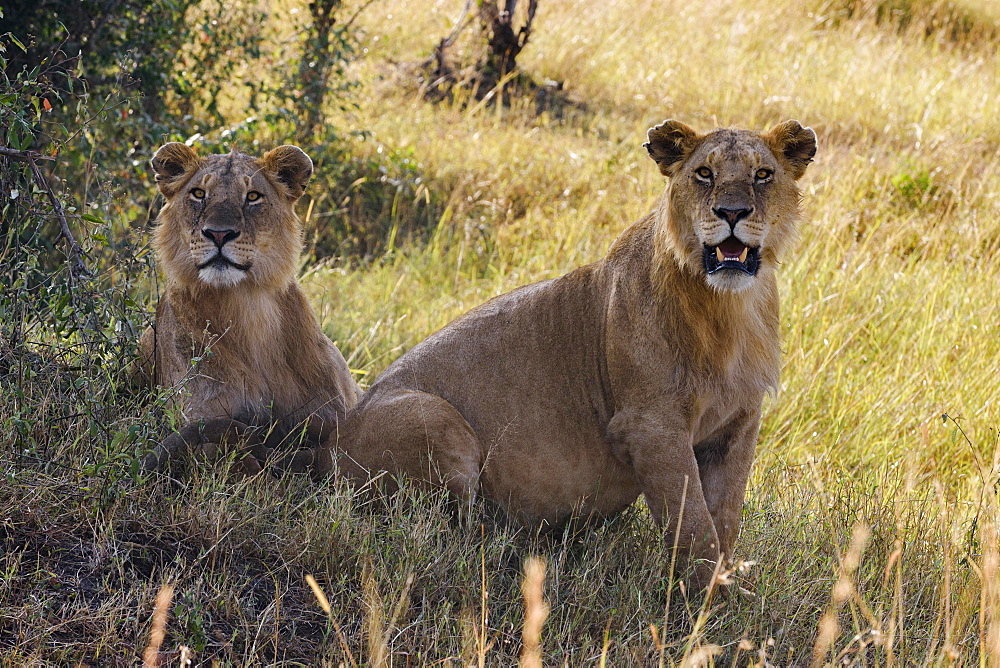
[[220, 260], [731, 254]]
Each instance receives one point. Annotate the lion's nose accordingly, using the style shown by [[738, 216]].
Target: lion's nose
[[220, 237], [732, 215]]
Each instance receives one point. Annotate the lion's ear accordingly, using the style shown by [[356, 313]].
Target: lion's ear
[[172, 162], [292, 167], [669, 143], [795, 144]]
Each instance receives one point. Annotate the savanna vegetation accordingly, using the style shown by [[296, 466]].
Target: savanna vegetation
[[871, 522]]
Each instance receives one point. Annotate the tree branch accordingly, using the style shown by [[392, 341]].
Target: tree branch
[[525, 32], [362, 8], [443, 71], [75, 254], [26, 156]]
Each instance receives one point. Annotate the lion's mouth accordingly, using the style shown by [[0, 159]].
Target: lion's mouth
[[221, 262], [732, 254]]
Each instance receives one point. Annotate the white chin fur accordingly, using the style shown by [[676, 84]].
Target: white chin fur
[[221, 277], [730, 281]]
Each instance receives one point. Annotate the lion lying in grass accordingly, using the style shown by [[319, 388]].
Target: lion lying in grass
[[234, 334], [642, 373]]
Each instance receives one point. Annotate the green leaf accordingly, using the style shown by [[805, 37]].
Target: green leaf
[[16, 41]]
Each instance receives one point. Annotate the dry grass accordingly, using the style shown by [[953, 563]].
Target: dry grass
[[871, 522]]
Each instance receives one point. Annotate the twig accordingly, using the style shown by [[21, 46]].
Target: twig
[[525, 32], [459, 26], [446, 42], [77, 267], [26, 156], [362, 8], [86, 123]]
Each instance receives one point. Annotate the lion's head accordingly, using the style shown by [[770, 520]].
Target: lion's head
[[229, 219], [732, 198]]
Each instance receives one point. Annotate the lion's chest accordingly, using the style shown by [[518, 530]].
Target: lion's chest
[[230, 369], [267, 386], [254, 390], [719, 405], [730, 382], [714, 418]]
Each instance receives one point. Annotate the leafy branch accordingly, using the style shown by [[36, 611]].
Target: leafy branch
[[77, 267]]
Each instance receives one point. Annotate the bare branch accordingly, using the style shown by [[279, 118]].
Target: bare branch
[[77, 267], [362, 8], [25, 156], [443, 70], [459, 27], [525, 31]]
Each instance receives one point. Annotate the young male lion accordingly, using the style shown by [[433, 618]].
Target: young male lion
[[234, 334], [642, 373]]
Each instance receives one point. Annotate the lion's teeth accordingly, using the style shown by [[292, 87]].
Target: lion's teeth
[[743, 255], [719, 255]]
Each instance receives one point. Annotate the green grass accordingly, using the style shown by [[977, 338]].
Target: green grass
[[889, 321]]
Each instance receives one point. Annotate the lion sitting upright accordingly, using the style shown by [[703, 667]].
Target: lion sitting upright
[[642, 373], [234, 334]]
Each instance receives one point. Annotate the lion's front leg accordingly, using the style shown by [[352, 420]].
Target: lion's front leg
[[724, 462], [662, 456], [210, 438], [301, 449]]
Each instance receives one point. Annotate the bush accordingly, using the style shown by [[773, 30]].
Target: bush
[[67, 315]]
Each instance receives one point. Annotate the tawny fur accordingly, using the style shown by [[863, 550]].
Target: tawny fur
[[239, 345], [638, 374]]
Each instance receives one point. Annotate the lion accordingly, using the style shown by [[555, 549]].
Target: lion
[[234, 335], [642, 373]]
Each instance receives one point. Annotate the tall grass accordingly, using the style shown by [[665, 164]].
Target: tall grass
[[870, 532]]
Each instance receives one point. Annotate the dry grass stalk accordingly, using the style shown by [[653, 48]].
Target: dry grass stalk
[[401, 606], [321, 598], [161, 609], [324, 603], [844, 589], [535, 612], [483, 643], [696, 653], [990, 600], [701, 657], [378, 651], [380, 633], [673, 558], [894, 572], [606, 646]]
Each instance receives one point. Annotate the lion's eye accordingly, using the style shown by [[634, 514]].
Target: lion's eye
[[197, 193], [253, 196], [763, 174], [704, 172]]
